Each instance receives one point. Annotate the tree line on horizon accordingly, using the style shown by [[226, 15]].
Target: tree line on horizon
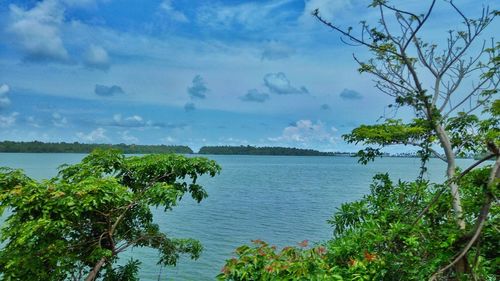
[[266, 150], [76, 147]]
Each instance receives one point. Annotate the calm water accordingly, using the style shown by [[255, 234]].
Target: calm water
[[280, 199]]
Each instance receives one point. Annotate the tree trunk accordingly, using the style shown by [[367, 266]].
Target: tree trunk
[[462, 265], [450, 173], [93, 274]]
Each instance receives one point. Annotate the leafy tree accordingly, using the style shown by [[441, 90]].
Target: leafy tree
[[77, 223], [417, 230], [449, 113]]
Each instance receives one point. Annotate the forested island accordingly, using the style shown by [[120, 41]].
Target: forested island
[[76, 147], [267, 150]]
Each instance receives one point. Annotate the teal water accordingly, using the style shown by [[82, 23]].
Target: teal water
[[280, 199]]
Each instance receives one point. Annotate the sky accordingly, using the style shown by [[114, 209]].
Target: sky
[[187, 72]]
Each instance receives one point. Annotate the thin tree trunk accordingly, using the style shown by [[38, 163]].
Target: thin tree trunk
[[93, 274], [462, 264], [450, 174]]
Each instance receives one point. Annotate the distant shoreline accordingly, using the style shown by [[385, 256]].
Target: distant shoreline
[[75, 147]]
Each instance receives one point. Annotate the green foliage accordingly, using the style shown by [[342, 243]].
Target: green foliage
[[127, 272], [263, 262], [384, 236], [93, 211], [389, 133]]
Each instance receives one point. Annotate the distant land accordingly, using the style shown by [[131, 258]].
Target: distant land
[[75, 147], [267, 150]]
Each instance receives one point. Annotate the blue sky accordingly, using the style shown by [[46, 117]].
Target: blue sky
[[189, 72]]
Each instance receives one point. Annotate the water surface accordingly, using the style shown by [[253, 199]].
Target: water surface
[[280, 199]]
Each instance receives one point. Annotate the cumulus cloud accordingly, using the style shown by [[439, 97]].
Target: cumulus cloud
[[128, 138], [173, 14], [133, 121], [108, 91], [4, 97], [279, 84], [189, 106], [97, 57], [254, 95], [58, 120], [97, 135], [306, 131], [33, 122], [347, 94], [198, 89], [8, 120], [37, 31], [276, 51]]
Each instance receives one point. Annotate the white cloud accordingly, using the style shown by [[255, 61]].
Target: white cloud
[[133, 121], [327, 9], [58, 120], [279, 84], [306, 132], [168, 139], [276, 51], [38, 31], [8, 120], [173, 14], [247, 15], [97, 135], [97, 57], [4, 98], [32, 121], [127, 138], [80, 3]]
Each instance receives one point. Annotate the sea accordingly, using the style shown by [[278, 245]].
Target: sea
[[282, 200]]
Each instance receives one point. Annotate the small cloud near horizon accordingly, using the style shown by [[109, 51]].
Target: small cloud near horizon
[[348, 94], [198, 88], [190, 106], [278, 83], [325, 107], [254, 95], [4, 96], [97, 57], [108, 91]]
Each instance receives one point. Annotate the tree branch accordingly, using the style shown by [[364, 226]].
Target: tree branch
[[483, 216]]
